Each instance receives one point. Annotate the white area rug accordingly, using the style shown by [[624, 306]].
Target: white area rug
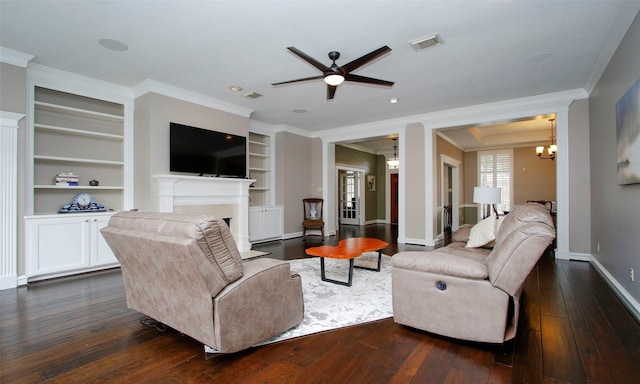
[[330, 306]]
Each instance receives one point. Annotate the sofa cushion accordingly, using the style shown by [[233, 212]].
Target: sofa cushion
[[442, 264], [462, 234], [459, 249], [483, 233]]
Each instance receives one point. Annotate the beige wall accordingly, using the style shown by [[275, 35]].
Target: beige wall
[[13, 98], [414, 193], [579, 178], [615, 209], [294, 177], [533, 178], [153, 113]]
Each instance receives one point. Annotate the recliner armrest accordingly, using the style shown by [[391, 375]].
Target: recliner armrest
[[440, 263]]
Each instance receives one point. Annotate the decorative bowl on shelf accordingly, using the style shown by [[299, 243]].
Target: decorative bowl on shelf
[[94, 183]]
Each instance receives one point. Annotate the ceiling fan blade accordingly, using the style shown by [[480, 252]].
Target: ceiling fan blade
[[357, 63], [309, 59], [331, 91], [368, 80], [299, 80]]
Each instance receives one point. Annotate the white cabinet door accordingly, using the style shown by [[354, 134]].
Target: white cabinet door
[[101, 252], [54, 245], [59, 245], [265, 223], [272, 222]]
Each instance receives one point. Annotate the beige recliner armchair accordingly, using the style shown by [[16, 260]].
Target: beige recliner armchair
[[186, 272], [472, 293]]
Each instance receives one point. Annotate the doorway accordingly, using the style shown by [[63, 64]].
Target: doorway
[[449, 196], [393, 200], [349, 201]]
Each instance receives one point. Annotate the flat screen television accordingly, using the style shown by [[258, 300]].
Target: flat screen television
[[206, 152]]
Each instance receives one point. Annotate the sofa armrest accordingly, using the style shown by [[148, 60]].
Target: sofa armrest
[[264, 302], [440, 263]]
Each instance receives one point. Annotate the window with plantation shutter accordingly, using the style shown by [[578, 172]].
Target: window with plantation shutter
[[495, 169]]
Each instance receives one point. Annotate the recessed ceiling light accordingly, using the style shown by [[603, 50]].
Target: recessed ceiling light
[[113, 45], [299, 110], [235, 88], [393, 100]]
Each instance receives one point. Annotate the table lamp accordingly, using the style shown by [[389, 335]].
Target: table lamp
[[488, 196]]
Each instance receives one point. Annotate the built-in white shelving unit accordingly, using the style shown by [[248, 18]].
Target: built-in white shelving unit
[[78, 134], [260, 154], [73, 132]]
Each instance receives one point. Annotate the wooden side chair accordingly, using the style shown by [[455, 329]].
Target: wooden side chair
[[312, 216]]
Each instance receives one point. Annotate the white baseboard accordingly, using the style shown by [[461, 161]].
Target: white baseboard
[[579, 256], [23, 280], [629, 301], [408, 240]]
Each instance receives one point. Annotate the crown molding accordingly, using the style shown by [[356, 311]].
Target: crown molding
[[616, 34], [152, 86], [494, 111], [446, 138], [14, 57], [43, 76], [360, 148]]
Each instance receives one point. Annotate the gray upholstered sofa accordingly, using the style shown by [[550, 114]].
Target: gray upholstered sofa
[[472, 293], [185, 271]]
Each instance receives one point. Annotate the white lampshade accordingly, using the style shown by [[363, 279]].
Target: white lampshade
[[334, 79], [486, 195]]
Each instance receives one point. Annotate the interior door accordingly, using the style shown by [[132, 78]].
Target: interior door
[[394, 198], [349, 199]]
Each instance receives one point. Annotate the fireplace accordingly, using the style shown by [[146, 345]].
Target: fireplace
[[226, 198]]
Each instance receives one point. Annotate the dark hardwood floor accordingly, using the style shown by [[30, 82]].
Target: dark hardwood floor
[[78, 329]]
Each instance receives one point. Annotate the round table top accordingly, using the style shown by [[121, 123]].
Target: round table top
[[348, 248]]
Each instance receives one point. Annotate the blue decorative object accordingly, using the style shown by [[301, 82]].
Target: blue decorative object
[[82, 202]]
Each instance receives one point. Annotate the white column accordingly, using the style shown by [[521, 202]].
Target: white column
[[9, 198]]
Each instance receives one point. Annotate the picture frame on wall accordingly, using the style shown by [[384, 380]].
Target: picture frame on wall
[[628, 136], [371, 183]]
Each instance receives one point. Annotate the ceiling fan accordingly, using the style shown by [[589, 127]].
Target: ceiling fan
[[335, 75]]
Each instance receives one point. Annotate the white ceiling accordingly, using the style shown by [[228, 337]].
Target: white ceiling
[[492, 51]]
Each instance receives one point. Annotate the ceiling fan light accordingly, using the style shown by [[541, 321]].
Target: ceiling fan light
[[334, 79]]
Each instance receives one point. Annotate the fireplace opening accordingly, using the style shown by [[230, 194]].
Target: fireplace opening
[[227, 220]]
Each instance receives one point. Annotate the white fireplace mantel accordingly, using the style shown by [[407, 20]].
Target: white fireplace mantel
[[178, 190]]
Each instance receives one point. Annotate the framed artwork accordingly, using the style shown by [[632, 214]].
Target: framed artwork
[[371, 183], [628, 136]]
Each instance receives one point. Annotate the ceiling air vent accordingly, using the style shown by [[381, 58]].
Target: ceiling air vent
[[426, 42], [253, 95]]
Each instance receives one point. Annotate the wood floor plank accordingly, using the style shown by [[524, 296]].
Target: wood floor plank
[[593, 365], [561, 359]]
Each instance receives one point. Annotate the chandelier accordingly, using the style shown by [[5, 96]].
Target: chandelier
[[393, 162], [553, 148]]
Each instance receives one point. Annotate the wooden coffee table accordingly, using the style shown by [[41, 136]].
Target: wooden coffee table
[[348, 249]]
